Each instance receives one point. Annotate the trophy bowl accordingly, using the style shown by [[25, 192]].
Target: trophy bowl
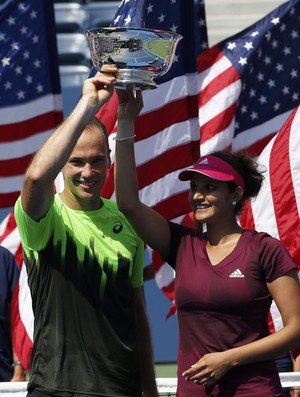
[[140, 54]]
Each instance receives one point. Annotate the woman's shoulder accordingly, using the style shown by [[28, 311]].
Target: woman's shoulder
[[183, 230], [260, 236], [263, 241]]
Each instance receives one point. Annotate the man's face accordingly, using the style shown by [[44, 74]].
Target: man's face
[[85, 172]]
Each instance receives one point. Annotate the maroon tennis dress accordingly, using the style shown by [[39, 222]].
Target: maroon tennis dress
[[225, 306]]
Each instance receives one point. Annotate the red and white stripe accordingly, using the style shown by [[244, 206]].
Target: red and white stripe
[[23, 129], [276, 210], [218, 100]]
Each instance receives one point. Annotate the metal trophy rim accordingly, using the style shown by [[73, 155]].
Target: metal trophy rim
[[145, 65]]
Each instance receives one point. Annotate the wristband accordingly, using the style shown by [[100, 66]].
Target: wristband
[[15, 363], [126, 138]]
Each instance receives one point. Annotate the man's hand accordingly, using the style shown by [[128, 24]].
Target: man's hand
[[19, 373], [100, 87]]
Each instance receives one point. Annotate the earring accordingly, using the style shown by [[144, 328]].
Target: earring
[[234, 203]]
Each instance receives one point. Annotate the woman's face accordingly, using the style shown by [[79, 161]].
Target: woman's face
[[210, 200]]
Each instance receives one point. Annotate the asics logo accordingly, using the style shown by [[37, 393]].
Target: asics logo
[[118, 228]]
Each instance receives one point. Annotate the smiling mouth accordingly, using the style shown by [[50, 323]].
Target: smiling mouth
[[87, 184], [202, 206]]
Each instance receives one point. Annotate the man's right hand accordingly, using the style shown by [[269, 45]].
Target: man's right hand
[[100, 87]]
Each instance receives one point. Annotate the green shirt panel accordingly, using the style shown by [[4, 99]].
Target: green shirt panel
[[108, 227]]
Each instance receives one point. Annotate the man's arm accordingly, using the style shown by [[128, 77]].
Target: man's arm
[[19, 372], [145, 346], [37, 192]]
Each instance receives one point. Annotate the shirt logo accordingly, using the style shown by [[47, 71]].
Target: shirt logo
[[118, 228], [236, 274]]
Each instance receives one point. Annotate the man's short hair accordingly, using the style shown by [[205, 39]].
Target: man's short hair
[[96, 122]]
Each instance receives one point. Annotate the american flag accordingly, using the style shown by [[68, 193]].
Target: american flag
[[250, 83], [30, 110], [167, 129], [276, 210], [30, 100]]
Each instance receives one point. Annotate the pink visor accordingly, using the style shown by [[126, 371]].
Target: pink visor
[[215, 168]]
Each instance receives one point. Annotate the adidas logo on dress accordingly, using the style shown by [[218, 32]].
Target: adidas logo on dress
[[236, 274]]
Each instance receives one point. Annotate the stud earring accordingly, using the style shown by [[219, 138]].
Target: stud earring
[[234, 203]]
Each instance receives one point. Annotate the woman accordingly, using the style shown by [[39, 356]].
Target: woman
[[226, 277]]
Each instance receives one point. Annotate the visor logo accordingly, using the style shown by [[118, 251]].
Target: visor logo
[[204, 161]]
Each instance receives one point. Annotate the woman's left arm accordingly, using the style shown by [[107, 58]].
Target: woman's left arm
[[295, 391], [285, 291]]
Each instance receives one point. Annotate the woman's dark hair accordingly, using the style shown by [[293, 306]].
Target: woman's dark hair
[[249, 171]]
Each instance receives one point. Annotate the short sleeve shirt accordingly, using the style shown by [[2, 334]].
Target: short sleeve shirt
[[225, 306], [82, 267]]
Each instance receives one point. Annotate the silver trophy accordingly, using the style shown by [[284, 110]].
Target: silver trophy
[[140, 54]]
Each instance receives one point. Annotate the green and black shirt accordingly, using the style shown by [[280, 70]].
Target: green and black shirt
[[82, 267]]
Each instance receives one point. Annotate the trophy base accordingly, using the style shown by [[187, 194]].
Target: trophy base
[[139, 79]]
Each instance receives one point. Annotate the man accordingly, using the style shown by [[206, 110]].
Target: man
[[84, 264], [11, 369]]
